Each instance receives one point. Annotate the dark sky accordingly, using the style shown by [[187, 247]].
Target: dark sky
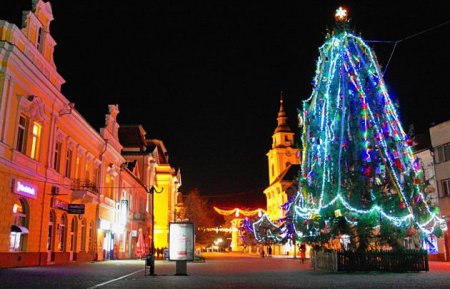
[[205, 76]]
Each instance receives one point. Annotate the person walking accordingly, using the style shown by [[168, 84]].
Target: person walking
[[302, 252], [269, 251]]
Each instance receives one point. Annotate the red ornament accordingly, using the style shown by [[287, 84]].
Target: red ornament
[[367, 171], [398, 163], [402, 205]]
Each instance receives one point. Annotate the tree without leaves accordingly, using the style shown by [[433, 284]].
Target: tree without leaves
[[201, 214]]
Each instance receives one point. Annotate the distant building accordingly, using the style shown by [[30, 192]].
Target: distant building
[[153, 168], [424, 152], [284, 165], [440, 141]]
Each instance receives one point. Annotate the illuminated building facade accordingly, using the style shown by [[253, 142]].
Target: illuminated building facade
[[283, 159], [151, 161], [67, 194], [440, 142]]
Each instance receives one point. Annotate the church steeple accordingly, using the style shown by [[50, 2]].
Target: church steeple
[[282, 118]]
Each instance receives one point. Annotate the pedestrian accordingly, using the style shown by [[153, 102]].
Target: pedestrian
[[262, 252], [269, 251], [302, 252]]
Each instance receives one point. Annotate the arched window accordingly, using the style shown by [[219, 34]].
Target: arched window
[[91, 236], [73, 234], [51, 231], [62, 233], [83, 235], [19, 227]]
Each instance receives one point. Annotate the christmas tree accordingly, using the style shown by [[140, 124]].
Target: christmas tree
[[359, 177]]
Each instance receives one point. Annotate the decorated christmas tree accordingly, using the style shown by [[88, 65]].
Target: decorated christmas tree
[[360, 181]]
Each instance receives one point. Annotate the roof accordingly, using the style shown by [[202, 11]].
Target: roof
[[132, 136], [288, 175], [422, 141]]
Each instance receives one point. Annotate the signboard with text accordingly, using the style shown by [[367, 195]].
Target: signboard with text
[[75, 209], [181, 241], [25, 189]]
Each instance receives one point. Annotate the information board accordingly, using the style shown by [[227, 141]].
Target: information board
[[181, 241]]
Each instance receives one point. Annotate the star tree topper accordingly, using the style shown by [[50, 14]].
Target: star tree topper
[[341, 14]]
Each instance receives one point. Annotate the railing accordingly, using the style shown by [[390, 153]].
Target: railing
[[84, 185], [390, 261], [326, 260]]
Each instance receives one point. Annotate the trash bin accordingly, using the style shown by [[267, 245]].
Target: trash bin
[[149, 260], [149, 265]]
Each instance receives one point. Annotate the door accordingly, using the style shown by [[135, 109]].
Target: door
[[73, 238], [51, 237]]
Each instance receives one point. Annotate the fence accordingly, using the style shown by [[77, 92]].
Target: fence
[[390, 261]]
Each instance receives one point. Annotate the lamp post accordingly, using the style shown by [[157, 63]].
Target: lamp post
[[151, 256]]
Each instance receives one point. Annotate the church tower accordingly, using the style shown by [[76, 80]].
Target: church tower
[[283, 160]]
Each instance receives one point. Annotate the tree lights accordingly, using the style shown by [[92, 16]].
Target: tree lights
[[359, 176]]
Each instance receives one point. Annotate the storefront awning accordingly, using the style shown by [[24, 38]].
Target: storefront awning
[[19, 229]]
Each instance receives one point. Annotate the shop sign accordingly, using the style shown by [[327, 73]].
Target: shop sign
[[59, 204], [181, 241], [25, 189], [123, 213], [75, 209]]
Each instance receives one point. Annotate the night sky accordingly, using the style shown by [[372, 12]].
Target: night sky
[[205, 76]]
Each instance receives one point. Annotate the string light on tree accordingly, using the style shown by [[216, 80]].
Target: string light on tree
[[359, 176]]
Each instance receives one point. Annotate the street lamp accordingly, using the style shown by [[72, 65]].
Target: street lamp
[[152, 191]]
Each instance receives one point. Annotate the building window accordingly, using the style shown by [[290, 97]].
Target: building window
[[19, 226], [21, 144], [62, 233], [73, 234], [51, 230], [57, 156], [77, 167], [69, 154], [35, 140], [39, 39], [83, 235], [445, 192], [91, 234], [442, 153]]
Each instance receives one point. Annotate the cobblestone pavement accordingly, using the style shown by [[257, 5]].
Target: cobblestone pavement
[[219, 271]]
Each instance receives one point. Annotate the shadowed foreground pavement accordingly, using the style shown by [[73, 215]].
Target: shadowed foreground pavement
[[224, 270]]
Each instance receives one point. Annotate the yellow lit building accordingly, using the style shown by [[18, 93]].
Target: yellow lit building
[[283, 160], [153, 168], [67, 193]]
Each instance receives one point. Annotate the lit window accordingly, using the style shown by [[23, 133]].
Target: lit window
[[77, 167], [19, 226], [21, 144], [62, 234], [35, 140]]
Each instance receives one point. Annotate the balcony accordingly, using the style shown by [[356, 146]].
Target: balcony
[[84, 190], [139, 217]]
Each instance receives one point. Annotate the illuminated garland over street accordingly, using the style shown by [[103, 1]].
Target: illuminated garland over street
[[237, 212]]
